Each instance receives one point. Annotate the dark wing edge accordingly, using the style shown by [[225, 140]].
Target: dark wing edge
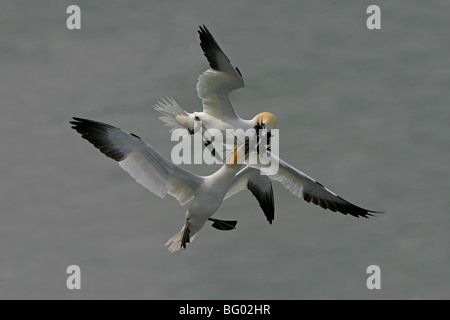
[[97, 133], [265, 199], [312, 191], [212, 50], [343, 206]]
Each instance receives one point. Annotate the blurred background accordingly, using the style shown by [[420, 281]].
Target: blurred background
[[365, 112]]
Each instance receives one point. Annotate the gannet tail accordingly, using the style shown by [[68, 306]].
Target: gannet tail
[[174, 115], [181, 239]]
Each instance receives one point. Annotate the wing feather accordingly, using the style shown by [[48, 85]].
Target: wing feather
[[312, 191], [215, 84], [259, 185], [139, 159]]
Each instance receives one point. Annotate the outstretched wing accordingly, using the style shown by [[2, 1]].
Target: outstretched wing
[[215, 84], [260, 186], [139, 159], [304, 186]]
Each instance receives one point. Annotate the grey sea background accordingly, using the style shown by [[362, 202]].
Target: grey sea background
[[365, 112]]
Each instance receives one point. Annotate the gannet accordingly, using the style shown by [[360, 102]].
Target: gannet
[[214, 87], [162, 177]]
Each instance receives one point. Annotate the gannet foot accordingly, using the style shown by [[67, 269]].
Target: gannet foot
[[185, 239], [223, 225]]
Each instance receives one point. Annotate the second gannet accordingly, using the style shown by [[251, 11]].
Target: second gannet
[[214, 87], [162, 177]]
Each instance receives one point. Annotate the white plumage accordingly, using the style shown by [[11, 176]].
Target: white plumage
[[206, 194], [162, 177], [214, 87]]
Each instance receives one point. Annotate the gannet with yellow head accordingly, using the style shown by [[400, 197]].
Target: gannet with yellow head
[[162, 177], [214, 87]]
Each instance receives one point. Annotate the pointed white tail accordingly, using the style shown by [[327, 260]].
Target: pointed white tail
[[171, 111], [176, 240]]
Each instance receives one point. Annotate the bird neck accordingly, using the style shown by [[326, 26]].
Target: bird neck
[[224, 176], [230, 167]]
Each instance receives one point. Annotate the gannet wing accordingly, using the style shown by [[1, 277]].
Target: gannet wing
[[260, 186], [139, 159], [215, 84], [304, 186]]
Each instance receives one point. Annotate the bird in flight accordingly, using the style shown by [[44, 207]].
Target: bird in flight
[[206, 193], [162, 177], [214, 87]]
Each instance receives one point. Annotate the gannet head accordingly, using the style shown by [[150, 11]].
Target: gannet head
[[265, 120], [191, 121]]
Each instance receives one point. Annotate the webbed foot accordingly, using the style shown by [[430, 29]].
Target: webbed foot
[[223, 224], [186, 239]]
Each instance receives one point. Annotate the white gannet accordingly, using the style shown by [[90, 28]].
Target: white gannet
[[214, 87], [162, 177]]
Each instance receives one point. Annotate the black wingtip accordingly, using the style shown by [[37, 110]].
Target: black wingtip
[[210, 48], [238, 71], [371, 213], [356, 211], [203, 29], [265, 200], [97, 133], [342, 206]]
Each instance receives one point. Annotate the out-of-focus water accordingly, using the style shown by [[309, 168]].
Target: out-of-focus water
[[364, 112]]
